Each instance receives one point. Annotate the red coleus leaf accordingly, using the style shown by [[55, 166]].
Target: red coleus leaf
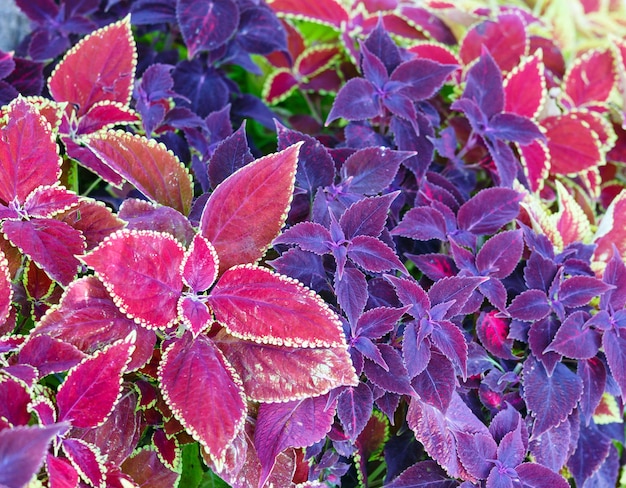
[[194, 313], [47, 201], [573, 145], [535, 158], [257, 304], [93, 219], [29, 155], [278, 373], [100, 67], [195, 376], [200, 265], [505, 38], [328, 12], [50, 243], [142, 272], [167, 448], [591, 78], [105, 114], [91, 388], [611, 232], [22, 452], [247, 210], [147, 470], [87, 318], [525, 87], [86, 459], [153, 169], [15, 399], [278, 86], [49, 355]]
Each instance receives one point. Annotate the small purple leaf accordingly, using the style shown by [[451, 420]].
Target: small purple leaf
[[423, 224], [371, 170], [308, 236], [499, 255], [489, 210], [574, 340], [530, 305], [230, 154], [436, 384], [374, 255], [593, 374], [614, 344], [356, 100], [579, 290], [354, 407], [456, 288], [395, 379], [367, 216]]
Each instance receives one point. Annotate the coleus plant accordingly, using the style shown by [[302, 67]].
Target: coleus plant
[[458, 331]]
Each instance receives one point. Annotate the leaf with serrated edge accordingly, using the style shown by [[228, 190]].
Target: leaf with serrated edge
[[150, 166], [100, 67], [146, 469], [87, 460], [257, 304], [93, 387], [200, 264], [195, 376], [279, 374], [48, 201], [142, 272], [6, 290], [29, 156], [246, 211]]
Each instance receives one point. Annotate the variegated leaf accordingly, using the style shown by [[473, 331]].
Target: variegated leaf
[[247, 210], [195, 376], [142, 272], [87, 461], [257, 304]]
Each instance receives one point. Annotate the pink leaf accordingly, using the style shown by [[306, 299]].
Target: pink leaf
[[299, 423], [50, 355], [53, 245], [14, 400], [22, 452], [93, 219], [100, 67], [194, 313], [257, 304], [328, 12], [611, 231], [535, 158], [591, 77], [6, 290], [29, 156], [247, 210], [141, 271], [200, 265], [278, 373], [86, 459], [47, 201], [153, 169], [204, 392], [278, 86], [92, 388], [87, 318], [61, 473]]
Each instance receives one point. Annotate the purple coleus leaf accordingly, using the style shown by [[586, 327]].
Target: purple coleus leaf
[[550, 399], [371, 170], [437, 382], [489, 210], [230, 154], [425, 474], [354, 407], [575, 340], [22, 451], [91, 388], [206, 25], [195, 372], [298, 423]]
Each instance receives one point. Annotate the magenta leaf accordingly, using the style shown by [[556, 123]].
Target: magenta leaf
[[153, 169], [206, 24], [489, 210], [256, 304], [49, 355], [146, 469], [530, 305], [101, 67], [49, 243], [492, 331], [22, 452], [298, 423], [247, 210], [6, 290], [60, 472], [550, 399], [354, 407], [88, 319], [200, 265], [573, 339], [47, 201], [425, 474], [15, 411], [524, 88], [92, 388], [29, 156], [86, 459], [194, 372], [278, 373], [93, 220], [168, 449], [499, 255], [194, 313], [142, 272]]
